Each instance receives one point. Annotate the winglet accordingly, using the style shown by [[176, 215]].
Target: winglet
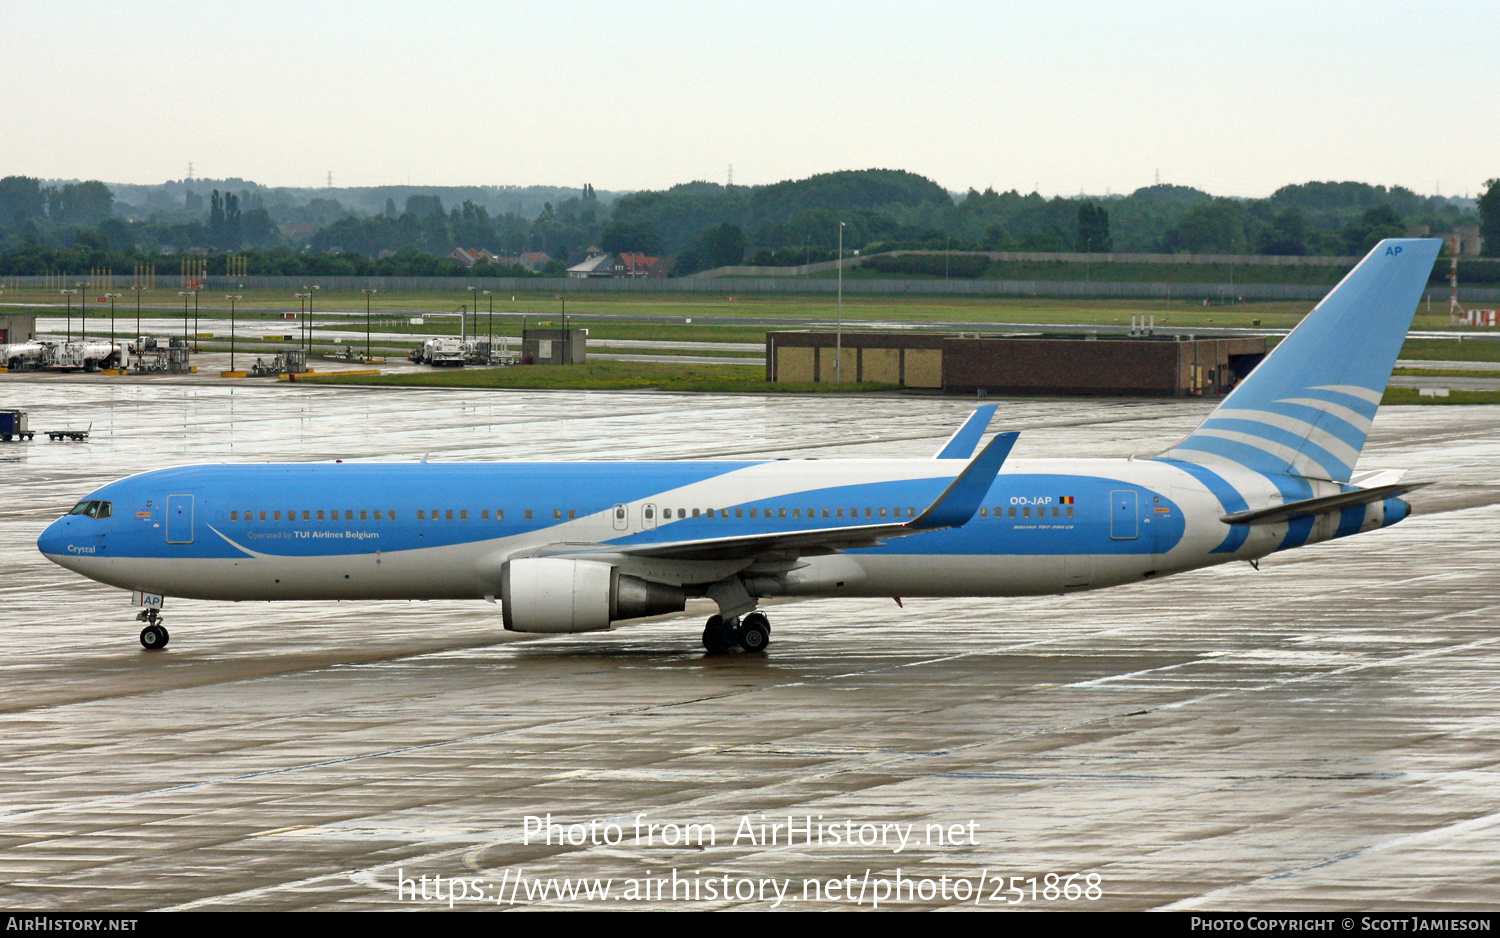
[[961, 499], [961, 444]]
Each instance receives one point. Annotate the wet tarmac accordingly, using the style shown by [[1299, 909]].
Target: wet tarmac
[[1321, 734]]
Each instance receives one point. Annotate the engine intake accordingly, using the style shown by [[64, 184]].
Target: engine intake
[[548, 594]]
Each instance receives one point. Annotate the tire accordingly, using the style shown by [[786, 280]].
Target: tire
[[753, 636], [154, 638], [717, 637]]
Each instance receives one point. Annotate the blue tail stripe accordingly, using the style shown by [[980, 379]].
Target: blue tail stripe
[[1228, 496], [1331, 424], [1334, 465], [1243, 453], [1357, 404], [1350, 521], [1297, 532]]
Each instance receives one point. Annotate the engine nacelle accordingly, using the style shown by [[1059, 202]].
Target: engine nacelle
[[548, 594]]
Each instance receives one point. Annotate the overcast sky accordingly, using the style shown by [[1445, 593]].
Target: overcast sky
[[1062, 97]]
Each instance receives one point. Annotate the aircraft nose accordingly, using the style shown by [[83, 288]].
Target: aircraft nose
[[51, 540]]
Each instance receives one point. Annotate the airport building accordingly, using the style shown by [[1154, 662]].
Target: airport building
[[1120, 365], [15, 328]]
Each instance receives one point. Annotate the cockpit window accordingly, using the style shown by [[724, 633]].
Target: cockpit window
[[93, 509]]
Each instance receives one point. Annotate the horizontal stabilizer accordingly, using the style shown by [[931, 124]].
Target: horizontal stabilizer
[[961, 444], [1306, 508]]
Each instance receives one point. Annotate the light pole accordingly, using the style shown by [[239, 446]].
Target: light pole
[[838, 355], [185, 294], [68, 298], [83, 313], [367, 293], [309, 290], [231, 297], [112, 298], [567, 349], [474, 305], [137, 290], [491, 322], [302, 313]]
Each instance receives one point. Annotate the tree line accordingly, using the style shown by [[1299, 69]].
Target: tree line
[[73, 226]]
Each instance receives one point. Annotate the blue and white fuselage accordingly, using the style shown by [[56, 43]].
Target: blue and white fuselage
[[579, 545]]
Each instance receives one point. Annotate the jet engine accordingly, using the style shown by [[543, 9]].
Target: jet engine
[[549, 594]]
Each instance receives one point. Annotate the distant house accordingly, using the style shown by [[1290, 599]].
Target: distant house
[[640, 265], [596, 265], [471, 256], [621, 265], [535, 260]]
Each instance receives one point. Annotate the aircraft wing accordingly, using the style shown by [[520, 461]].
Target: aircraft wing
[[958, 503]]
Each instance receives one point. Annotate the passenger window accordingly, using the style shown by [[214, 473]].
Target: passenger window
[[463, 514], [1012, 511], [499, 514], [739, 512], [421, 514], [448, 515], [348, 516], [364, 514], [262, 516], [307, 516], [648, 513], [528, 514], [695, 512], [911, 512], [484, 515], [276, 516], [1054, 511], [320, 516], [796, 512], [1026, 512], [840, 513], [781, 512], [753, 513], [557, 514], [377, 514], [882, 512], [234, 516], [1070, 511], [984, 512], [723, 512], [391, 515], [869, 513]]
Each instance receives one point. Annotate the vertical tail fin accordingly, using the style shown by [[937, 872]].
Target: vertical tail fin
[[1307, 408]]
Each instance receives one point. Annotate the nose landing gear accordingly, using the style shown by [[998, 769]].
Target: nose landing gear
[[752, 633], [154, 636]]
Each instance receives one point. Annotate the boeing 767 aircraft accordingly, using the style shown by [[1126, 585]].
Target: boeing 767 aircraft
[[578, 546]]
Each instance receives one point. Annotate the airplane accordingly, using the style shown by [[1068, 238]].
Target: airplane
[[580, 546]]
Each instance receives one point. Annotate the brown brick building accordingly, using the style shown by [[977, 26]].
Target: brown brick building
[[1044, 364]]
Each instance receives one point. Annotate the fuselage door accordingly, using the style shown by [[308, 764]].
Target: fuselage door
[[1124, 515], [621, 516], [179, 519], [648, 516]]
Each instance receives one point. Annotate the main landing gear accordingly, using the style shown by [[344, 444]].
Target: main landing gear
[[154, 636], [752, 633]]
